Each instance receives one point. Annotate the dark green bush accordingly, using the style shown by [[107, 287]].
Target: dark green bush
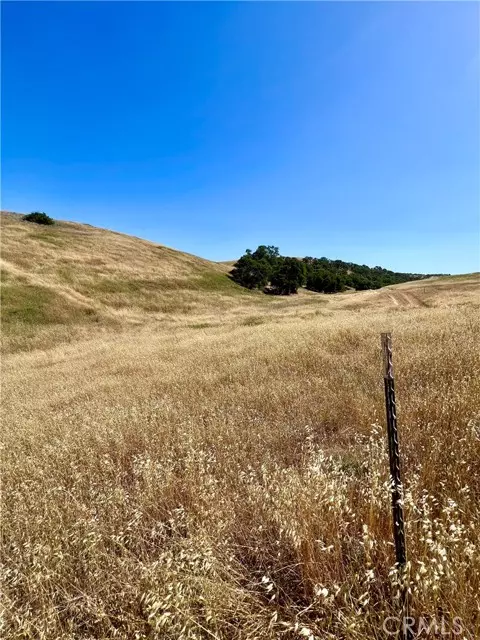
[[40, 217]]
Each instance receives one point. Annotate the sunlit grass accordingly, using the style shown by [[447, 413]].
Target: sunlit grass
[[221, 471], [232, 482]]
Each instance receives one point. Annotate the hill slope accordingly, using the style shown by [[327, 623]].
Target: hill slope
[[71, 274], [214, 471], [66, 281], [169, 480]]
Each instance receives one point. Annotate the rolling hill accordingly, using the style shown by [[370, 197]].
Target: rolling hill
[[68, 280], [73, 274], [183, 458]]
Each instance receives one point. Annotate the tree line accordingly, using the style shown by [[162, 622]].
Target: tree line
[[266, 269]]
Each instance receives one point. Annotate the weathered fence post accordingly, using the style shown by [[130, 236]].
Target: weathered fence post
[[396, 484]]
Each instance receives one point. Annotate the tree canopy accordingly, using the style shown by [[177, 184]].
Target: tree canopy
[[39, 217], [288, 276], [251, 272], [266, 269]]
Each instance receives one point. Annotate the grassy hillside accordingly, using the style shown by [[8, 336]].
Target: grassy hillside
[[77, 276], [221, 471], [63, 282]]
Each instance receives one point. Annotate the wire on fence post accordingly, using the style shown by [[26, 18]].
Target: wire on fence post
[[396, 483]]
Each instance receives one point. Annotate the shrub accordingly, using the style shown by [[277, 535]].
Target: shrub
[[40, 217]]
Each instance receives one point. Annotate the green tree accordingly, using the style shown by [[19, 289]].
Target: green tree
[[250, 272], [266, 265], [360, 282], [326, 281], [268, 253], [316, 280], [39, 217], [289, 276]]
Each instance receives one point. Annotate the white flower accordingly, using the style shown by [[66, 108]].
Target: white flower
[[321, 591]]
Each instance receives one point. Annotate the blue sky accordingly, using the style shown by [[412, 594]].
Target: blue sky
[[347, 130]]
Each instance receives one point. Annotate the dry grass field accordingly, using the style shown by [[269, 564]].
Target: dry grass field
[[183, 459]]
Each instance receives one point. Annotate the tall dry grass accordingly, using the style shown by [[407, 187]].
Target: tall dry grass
[[230, 480]]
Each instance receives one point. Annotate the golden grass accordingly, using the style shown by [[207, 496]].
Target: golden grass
[[222, 473], [110, 278]]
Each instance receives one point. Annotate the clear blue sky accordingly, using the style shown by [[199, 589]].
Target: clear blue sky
[[349, 130]]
